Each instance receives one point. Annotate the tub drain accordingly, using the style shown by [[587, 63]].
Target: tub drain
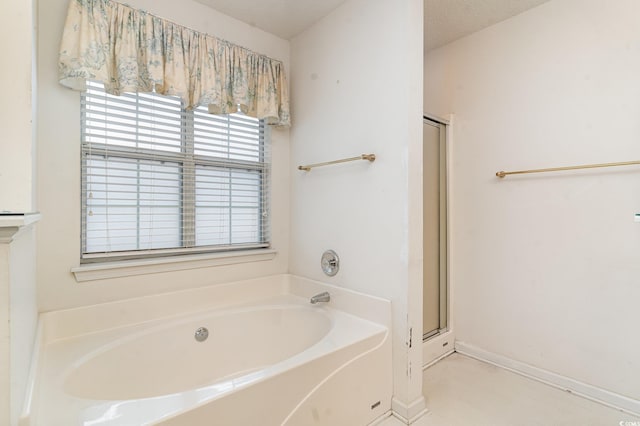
[[201, 334]]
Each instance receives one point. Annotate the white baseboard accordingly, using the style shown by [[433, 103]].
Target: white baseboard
[[437, 347], [602, 396], [382, 419], [409, 413]]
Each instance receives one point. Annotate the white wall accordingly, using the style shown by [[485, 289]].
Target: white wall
[[23, 315], [18, 309], [356, 89], [18, 317], [546, 267], [59, 169], [5, 337], [17, 43]]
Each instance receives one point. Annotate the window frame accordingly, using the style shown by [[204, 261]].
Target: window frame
[[188, 161]]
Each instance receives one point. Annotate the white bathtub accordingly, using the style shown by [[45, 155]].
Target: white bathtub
[[271, 358]]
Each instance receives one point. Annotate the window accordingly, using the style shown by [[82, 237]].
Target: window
[[158, 180]]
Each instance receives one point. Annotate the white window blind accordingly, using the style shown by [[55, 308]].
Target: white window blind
[[158, 180]]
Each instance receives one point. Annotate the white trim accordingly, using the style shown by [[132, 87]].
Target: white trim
[[450, 222], [381, 419], [433, 117], [409, 413], [18, 220], [593, 393], [437, 347], [101, 271], [33, 375], [12, 224]]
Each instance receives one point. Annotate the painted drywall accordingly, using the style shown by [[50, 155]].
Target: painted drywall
[[16, 143], [59, 169], [356, 89], [546, 267], [18, 317], [18, 307], [23, 314], [5, 337]]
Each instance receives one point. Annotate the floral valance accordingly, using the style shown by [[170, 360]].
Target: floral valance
[[130, 50]]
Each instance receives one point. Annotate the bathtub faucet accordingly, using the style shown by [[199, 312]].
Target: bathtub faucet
[[320, 297]]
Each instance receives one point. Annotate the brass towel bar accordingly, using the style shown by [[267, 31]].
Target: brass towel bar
[[369, 157], [502, 174]]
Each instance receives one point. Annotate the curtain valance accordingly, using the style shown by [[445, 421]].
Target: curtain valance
[[130, 50]]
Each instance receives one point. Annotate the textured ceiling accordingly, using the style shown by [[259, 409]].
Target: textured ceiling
[[445, 20], [449, 20]]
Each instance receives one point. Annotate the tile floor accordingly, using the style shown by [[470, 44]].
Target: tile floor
[[462, 391]]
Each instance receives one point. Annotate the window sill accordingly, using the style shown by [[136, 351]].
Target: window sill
[[102, 271]]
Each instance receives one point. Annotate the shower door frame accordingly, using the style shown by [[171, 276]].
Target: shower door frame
[[443, 218]]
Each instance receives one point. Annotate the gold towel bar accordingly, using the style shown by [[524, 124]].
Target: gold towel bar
[[502, 174], [370, 157]]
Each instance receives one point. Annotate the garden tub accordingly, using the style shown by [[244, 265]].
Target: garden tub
[[258, 353]]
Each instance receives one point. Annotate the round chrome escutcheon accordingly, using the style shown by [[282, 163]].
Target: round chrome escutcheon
[[330, 263]]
